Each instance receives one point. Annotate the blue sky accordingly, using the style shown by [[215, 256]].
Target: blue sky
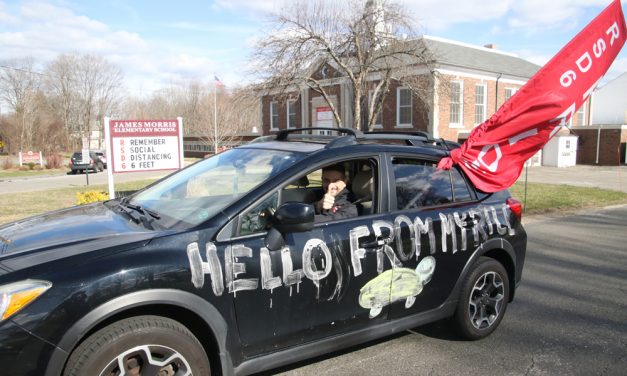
[[161, 42]]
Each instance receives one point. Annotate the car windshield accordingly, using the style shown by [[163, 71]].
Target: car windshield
[[202, 190]]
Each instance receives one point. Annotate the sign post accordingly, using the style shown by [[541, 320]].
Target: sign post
[[85, 157], [108, 154], [143, 145]]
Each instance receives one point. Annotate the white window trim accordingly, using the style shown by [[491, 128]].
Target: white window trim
[[398, 108], [485, 103], [272, 125], [287, 110], [375, 125], [461, 107]]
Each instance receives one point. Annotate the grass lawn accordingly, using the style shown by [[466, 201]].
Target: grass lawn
[[21, 205], [541, 198], [551, 198], [15, 173]]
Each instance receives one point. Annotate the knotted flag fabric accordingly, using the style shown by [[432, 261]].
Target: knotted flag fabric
[[496, 151]]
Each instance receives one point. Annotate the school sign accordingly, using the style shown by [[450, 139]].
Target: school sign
[[143, 145]]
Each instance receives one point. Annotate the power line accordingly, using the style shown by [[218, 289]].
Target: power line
[[22, 70]]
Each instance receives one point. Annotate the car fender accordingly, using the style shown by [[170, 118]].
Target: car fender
[[207, 312], [497, 244]]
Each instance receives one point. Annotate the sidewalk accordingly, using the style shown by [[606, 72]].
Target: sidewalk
[[606, 177]]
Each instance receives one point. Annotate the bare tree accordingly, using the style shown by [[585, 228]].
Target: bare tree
[[84, 89], [19, 87], [61, 87], [224, 116], [200, 105], [371, 45]]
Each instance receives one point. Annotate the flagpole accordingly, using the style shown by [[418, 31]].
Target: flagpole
[[215, 116]]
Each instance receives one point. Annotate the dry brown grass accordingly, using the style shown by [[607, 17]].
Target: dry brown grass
[[21, 205]]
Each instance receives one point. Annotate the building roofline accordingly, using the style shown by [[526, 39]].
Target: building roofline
[[480, 48]]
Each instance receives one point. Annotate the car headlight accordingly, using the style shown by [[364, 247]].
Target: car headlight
[[15, 296]]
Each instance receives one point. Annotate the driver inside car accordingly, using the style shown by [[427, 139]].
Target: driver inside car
[[337, 202]]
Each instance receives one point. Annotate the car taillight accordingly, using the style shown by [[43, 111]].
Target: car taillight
[[515, 206], [71, 162], [91, 161]]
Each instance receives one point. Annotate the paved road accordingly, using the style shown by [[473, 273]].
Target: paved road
[[569, 316], [614, 178], [41, 183]]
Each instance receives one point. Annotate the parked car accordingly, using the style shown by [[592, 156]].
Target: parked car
[[221, 268], [77, 164], [103, 158]]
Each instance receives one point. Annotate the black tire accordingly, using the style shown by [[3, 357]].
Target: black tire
[[139, 340], [483, 299]]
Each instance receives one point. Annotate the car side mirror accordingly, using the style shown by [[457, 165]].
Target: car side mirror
[[289, 217], [294, 217]]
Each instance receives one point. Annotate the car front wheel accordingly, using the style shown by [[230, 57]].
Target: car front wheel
[[483, 299], [142, 345]]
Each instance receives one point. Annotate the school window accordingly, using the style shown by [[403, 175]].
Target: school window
[[274, 115], [291, 114], [456, 103], [480, 103], [581, 115], [509, 91], [403, 107], [378, 123]]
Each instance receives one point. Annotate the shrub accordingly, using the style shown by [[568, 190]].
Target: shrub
[[54, 161], [23, 168], [7, 163], [31, 165], [91, 196]]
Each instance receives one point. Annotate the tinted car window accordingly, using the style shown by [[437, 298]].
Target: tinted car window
[[78, 156], [460, 188], [420, 183]]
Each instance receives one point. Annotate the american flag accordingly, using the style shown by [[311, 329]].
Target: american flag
[[217, 81]]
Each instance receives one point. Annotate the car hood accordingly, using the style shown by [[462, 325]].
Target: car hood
[[67, 232]]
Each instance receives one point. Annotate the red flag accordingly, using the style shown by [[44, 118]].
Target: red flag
[[495, 153]]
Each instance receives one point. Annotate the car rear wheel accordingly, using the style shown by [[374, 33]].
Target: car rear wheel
[[483, 299], [143, 345]]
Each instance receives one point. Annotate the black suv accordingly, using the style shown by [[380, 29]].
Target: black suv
[[77, 164], [222, 268]]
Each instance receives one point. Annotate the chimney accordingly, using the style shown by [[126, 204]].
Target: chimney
[[491, 46]]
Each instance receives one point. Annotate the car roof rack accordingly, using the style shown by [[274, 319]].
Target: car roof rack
[[282, 135], [355, 136]]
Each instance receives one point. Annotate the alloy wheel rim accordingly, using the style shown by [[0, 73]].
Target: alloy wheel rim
[[148, 360], [486, 300]]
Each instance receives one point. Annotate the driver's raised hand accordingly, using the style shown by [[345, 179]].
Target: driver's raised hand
[[333, 190], [336, 187]]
